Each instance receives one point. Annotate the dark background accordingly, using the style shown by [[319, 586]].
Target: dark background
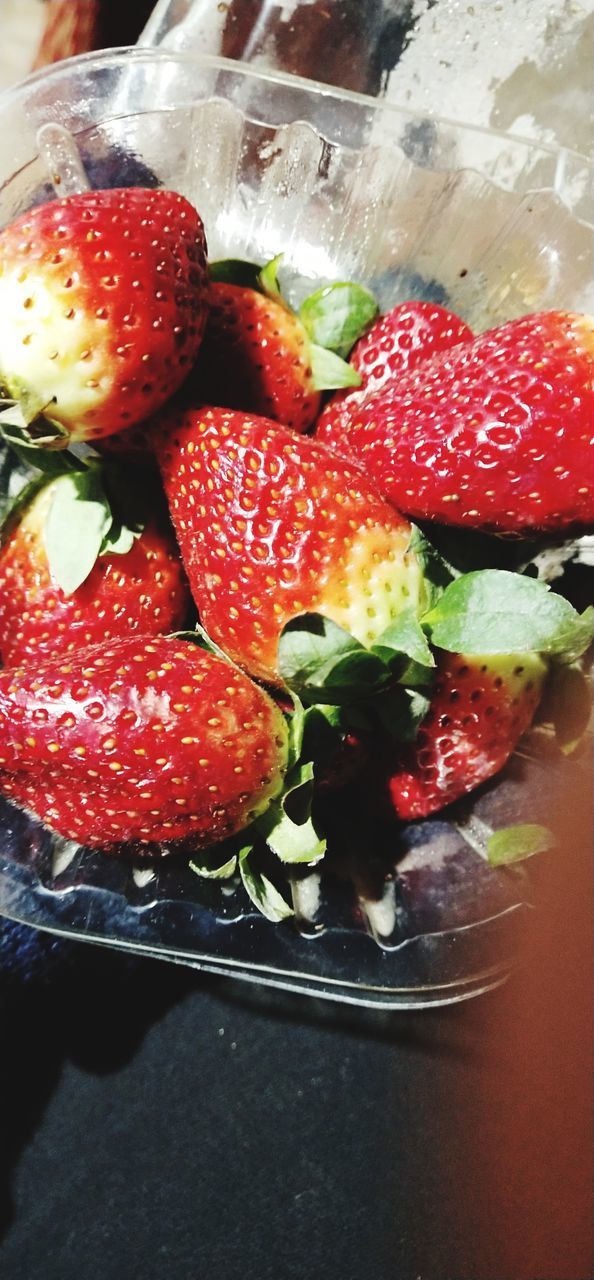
[[163, 1125]]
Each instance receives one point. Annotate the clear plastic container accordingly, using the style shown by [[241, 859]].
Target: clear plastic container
[[346, 187]]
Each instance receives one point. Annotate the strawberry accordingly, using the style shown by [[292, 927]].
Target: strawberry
[[494, 434], [271, 525], [255, 356], [131, 445], [435, 721], [102, 308], [258, 355], [140, 741], [141, 591], [480, 707], [396, 342]]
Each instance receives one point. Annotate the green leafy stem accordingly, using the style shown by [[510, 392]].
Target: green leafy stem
[[91, 513]]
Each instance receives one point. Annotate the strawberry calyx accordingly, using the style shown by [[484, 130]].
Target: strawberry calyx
[[490, 612], [27, 421], [234, 858], [91, 513], [387, 684], [334, 317], [286, 827], [493, 611]]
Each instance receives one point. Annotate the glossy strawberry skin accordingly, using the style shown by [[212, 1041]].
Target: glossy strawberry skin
[[102, 305], [142, 741], [395, 343], [255, 357], [479, 710], [142, 592], [494, 434], [270, 525]]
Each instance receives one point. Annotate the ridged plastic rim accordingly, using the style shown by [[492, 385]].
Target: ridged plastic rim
[[142, 53]]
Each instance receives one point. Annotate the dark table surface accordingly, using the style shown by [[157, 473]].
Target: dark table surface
[[160, 1124]]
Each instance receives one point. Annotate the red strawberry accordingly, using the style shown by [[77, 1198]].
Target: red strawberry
[[140, 741], [102, 306], [271, 525], [494, 434], [481, 706], [256, 356], [261, 357], [130, 445], [396, 342], [142, 591]]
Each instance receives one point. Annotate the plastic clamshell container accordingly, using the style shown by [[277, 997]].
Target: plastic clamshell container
[[346, 187]]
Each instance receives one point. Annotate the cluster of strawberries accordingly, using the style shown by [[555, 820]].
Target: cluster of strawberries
[[327, 620]]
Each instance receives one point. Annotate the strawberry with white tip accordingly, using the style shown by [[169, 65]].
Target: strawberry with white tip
[[103, 303], [480, 708], [272, 525]]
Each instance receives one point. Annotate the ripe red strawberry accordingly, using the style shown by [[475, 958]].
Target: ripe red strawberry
[[102, 306], [142, 591], [480, 707], [396, 342], [261, 357], [256, 357], [142, 741], [494, 434], [130, 445], [271, 525]]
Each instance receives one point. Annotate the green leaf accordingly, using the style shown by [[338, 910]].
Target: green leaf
[[248, 275], [235, 271], [262, 892], [404, 636], [337, 315], [437, 572], [39, 430], [268, 279], [325, 663], [401, 711], [211, 869], [10, 508], [78, 520], [568, 706], [50, 462], [119, 540], [495, 611], [329, 371], [513, 844], [33, 407], [322, 733], [287, 826], [296, 725], [307, 643], [355, 676]]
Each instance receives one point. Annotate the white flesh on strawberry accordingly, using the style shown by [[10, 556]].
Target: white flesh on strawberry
[[51, 345], [376, 580]]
